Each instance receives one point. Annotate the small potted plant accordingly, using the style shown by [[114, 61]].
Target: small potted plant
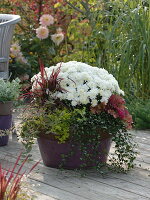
[[77, 112], [9, 91]]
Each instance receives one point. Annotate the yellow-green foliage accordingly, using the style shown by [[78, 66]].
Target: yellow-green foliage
[[58, 122], [61, 124]]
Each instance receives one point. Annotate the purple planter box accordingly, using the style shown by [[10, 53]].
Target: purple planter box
[[5, 123], [4, 140], [51, 152], [6, 108]]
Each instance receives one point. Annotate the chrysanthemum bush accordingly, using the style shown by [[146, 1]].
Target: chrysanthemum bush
[[83, 104], [83, 83]]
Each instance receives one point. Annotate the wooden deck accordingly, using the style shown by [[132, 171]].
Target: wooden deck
[[53, 184]]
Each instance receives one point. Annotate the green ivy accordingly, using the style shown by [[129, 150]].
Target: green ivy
[[85, 130]]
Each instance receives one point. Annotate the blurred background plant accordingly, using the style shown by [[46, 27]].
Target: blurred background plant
[[140, 111], [18, 64], [28, 32], [118, 40]]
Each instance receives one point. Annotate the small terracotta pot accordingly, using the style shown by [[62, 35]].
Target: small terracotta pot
[[51, 152], [6, 108]]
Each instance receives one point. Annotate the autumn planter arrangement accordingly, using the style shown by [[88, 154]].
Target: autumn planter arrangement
[[9, 91], [76, 113]]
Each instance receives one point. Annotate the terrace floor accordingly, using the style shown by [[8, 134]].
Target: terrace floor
[[54, 184]]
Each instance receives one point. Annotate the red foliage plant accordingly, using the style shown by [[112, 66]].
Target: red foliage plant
[[52, 83], [47, 84], [10, 179], [116, 108]]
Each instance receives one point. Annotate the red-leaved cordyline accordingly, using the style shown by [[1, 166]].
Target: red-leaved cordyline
[[10, 179], [51, 83], [47, 84]]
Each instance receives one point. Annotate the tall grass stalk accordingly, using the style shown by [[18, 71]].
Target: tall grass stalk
[[120, 40], [129, 48]]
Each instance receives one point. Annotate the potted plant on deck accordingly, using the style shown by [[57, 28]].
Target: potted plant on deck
[[9, 91], [76, 113]]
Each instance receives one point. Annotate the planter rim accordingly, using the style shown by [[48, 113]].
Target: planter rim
[[104, 135]]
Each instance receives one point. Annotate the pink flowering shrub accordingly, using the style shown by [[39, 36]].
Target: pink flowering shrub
[[43, 31]]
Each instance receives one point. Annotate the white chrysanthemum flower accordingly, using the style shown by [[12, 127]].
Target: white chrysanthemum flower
[[83, 83], [46, 20], [94, 102], [84, 99], [70, 96], [73, 103], [42, 32], [57, 38]]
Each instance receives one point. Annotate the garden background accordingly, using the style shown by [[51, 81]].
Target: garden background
[[111, 34]]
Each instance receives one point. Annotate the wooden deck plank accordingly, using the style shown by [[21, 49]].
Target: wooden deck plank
[[61, 182], [100, 181], [53, 184], [56, 186], [137, 176]]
